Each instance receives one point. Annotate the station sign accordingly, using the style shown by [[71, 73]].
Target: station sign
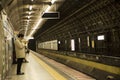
[[51, 15]]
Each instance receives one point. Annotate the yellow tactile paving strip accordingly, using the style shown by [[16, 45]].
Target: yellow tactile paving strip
[[74, 74], [37, 69], [55, 74], [33, 71]]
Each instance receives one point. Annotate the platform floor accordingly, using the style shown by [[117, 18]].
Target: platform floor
[[43, 68]]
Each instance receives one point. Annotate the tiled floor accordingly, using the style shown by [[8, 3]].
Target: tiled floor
[[33, 71], [36, 69]]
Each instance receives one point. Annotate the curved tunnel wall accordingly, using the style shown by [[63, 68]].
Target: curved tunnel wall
[[99, 18]]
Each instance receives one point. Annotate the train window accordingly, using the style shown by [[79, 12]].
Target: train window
[[88, 41], [79, 40], [100, 37], [72, 44], [93, 44]]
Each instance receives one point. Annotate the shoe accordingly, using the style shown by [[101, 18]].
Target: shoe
[[26, 61], [20, 73]]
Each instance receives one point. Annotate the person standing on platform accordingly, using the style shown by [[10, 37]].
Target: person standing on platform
[[26, 52], [20, 52]]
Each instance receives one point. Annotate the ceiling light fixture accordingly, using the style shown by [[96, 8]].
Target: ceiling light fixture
[[41, 20], [53, 1], [38, 24], [29, 13], [30, 7], [47, 9], [26, 30], [28, 17]]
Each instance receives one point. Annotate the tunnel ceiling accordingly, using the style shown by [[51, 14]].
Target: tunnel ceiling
[[22, 17], [66, 9], [82, 17]]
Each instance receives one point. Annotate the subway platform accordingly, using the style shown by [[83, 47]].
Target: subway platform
[[43, 68]]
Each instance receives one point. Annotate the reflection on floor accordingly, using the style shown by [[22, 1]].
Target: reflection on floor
[[36, 69]]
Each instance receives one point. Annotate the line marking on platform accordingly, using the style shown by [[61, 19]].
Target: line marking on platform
[[53, 73]]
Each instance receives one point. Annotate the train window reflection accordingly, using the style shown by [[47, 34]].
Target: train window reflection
[[72, 44], [100, 37], [58, 42]]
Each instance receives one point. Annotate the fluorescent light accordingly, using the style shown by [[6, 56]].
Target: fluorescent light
[[29, 13], [48, 8], [28, 17], [58, 42], [32, 0], [53, 1], [30, 7], [100, 37], [40, 20], [36, 26], [28, 37], [88, 41], [26, 30], [31, 33], [72, 44], [79, 40]]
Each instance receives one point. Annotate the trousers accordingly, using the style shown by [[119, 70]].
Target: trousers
[[19, 64]]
